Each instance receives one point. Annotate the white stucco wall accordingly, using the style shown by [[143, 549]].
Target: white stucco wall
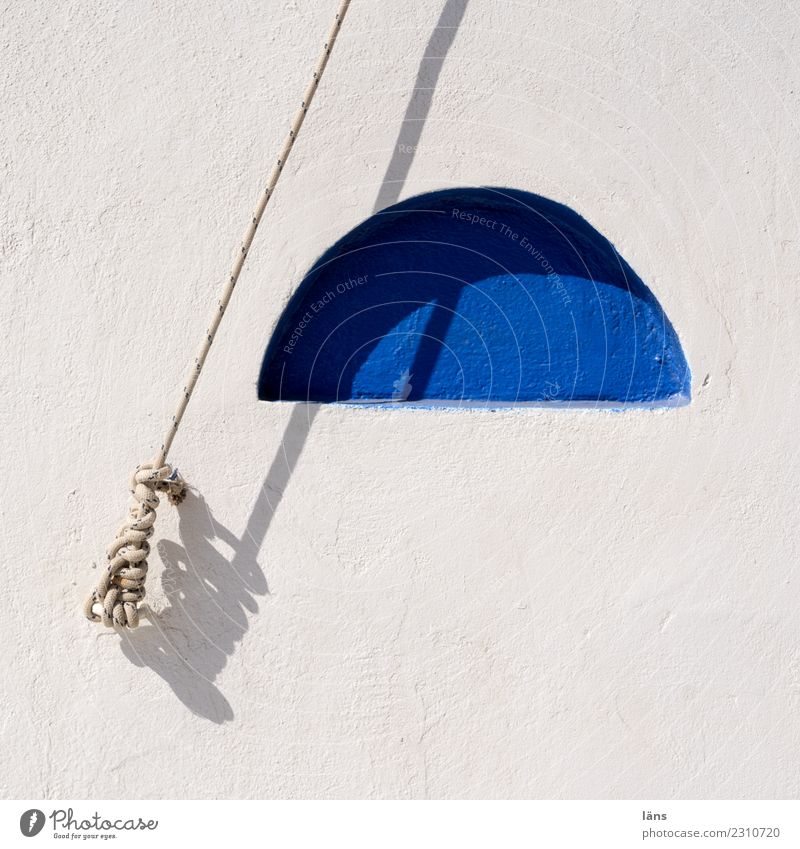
[[396, 603]]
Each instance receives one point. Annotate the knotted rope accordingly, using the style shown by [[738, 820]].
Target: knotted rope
[[115, 599], [121, 587]]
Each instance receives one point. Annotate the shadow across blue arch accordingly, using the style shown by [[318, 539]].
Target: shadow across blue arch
[[476, 297]]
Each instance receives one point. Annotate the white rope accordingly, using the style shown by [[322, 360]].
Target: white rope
[[115, 598]]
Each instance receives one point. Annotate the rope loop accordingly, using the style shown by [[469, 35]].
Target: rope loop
[[116, 597]]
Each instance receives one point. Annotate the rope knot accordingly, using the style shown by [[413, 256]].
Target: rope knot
[[121, 586]]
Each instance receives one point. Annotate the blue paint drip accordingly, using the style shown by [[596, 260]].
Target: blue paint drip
[[476, 296]]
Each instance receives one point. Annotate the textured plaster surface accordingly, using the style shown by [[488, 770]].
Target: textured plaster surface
[[356, 602]]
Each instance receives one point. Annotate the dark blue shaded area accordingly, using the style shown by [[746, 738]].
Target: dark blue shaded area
[[474, 295]]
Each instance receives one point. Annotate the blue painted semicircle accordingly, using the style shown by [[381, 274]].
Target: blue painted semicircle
[[475, 296]]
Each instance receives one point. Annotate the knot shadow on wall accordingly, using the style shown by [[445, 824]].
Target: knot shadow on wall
[[210, 595], [486, 297]]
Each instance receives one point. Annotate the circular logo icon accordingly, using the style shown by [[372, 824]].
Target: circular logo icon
[[31, 822]]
